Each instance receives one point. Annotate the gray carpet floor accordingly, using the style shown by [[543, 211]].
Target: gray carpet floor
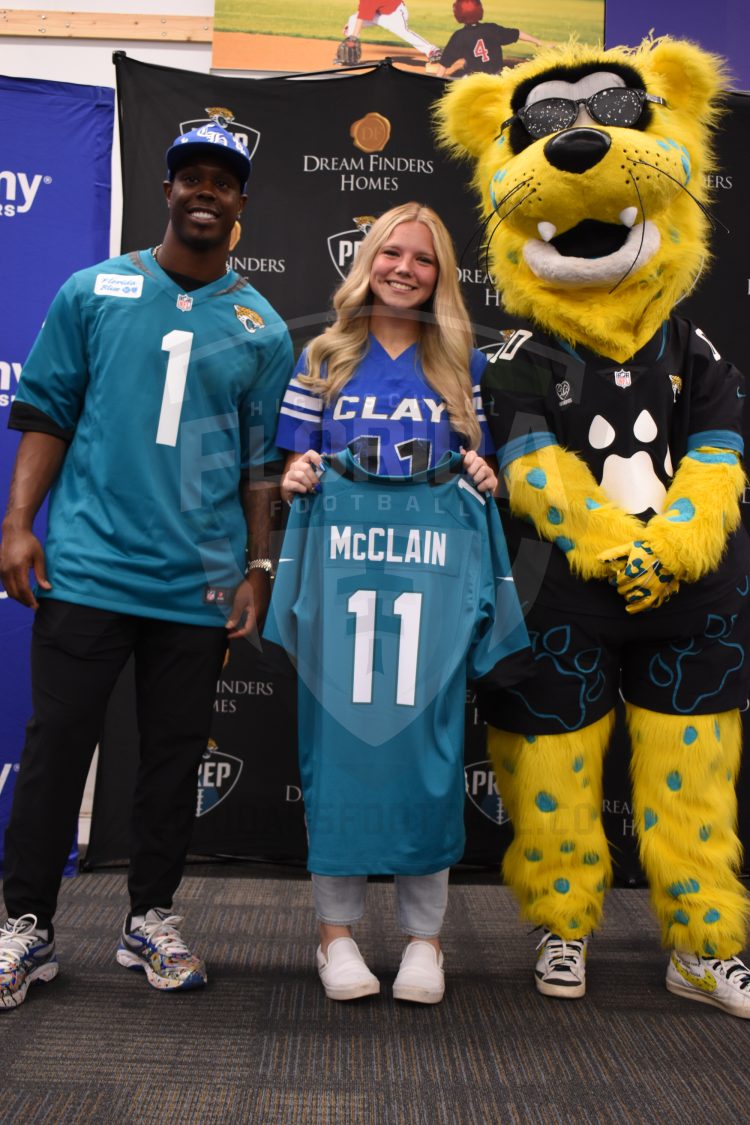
[[262, 1044]]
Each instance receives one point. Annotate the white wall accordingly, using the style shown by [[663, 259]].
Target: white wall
[[89, 61]]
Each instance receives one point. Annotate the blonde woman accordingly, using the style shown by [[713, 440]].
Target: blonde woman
[[394, 379]]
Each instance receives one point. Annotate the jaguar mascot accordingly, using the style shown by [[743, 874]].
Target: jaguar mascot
[[618, 429]]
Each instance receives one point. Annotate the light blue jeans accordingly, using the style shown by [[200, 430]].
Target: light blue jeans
[[420, 899]]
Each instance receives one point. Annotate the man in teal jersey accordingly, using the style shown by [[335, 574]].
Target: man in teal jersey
[[148, 405]]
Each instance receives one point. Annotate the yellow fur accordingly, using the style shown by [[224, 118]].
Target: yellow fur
[[684, 802], [568, 485], [678, 142], [691, 548], [558, 864]]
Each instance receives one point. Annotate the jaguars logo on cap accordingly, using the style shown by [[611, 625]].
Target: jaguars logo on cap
[[250, 320]]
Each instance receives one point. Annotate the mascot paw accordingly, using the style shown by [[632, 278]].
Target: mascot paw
[[639, 577]]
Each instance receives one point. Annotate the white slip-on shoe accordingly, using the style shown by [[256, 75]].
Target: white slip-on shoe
[[724, 984], [420, 976], [344, 974]]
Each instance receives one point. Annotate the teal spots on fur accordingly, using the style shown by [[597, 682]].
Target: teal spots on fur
[[592, 505], [499, 175], [554, 515], [530, 737], [509, 766], [649, 818], [564, 543], [704, 831], [675, 235], [585, 783], [567, 846], [537, 478], [574, 924], [729, 775], [500, 140], [683, 509], [708, 949], [717, 730], [577, 764], [591, 858], [685, 159], [545, 802], [512, 257], [600, 886], [562, 886], [681, 917], [533, 855], [689, 736], [674, 780], [711, 916], [689, 887]]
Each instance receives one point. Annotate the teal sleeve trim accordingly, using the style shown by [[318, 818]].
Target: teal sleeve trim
[[718, 439], [529, 443]]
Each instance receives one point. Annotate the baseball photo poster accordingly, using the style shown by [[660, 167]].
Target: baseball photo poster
[[445, 38]]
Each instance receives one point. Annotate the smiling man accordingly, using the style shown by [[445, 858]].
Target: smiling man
[[148, 406]]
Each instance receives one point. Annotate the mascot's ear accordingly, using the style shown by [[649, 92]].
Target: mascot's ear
[[469, 115], [689, 78]]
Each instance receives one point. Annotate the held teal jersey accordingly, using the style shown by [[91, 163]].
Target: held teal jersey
[[389, 593], [167, 399]]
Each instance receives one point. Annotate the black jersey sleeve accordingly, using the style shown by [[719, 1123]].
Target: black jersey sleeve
[[515, 388], [717, 396]]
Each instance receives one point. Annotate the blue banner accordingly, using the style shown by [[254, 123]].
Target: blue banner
[[55, 188]]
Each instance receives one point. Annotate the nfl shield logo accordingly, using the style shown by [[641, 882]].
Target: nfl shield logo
[[622, 378], [184, 303]]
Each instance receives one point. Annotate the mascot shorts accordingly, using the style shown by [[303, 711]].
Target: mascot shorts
[[668, 661]]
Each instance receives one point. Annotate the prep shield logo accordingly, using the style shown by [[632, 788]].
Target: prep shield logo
[[343, 246], [219, 115], [218, 774], [481, 789]]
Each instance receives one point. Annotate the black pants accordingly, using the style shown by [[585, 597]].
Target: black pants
[[77, 653]]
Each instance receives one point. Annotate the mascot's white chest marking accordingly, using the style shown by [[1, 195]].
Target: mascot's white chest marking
[[630, 482]]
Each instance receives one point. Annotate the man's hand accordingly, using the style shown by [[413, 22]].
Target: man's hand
[[249, 605], [20, 552], [639, 577]]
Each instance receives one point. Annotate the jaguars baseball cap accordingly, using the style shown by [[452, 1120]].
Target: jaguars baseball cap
[[209, 140]]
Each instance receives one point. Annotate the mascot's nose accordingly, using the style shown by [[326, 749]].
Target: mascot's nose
[[577, 150]]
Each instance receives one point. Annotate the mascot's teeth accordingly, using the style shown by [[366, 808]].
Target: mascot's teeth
[[628, 216], [547, 231]]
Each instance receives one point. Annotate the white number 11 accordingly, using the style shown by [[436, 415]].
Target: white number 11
[[179, 345], [409, 608]]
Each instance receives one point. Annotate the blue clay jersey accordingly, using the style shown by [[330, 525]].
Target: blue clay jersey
[[388, 415], [166, 398], [389, 593]]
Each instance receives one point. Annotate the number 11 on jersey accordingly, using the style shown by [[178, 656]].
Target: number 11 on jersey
[[408, 607]]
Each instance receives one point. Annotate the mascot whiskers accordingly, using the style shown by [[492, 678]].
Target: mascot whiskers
[[618, 428]]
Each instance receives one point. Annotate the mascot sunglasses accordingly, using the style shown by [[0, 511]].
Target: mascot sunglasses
[[616, 106]]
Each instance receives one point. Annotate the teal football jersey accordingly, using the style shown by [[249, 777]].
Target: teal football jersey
[[390, 592], [167, 398]]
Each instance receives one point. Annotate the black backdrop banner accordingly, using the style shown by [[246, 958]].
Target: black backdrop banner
[[329, 154]]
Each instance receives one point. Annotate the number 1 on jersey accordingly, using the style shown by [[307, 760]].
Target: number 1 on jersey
[[408, 607], [179, 345]]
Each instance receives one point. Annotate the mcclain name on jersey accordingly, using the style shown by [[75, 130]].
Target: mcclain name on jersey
[[420, 545]]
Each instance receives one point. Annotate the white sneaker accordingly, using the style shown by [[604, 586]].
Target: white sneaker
[[344, 974], [561, 966], [420, 976], [725, 984]]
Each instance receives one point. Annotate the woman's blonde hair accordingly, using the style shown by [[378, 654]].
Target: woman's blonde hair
[[445, 337]]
